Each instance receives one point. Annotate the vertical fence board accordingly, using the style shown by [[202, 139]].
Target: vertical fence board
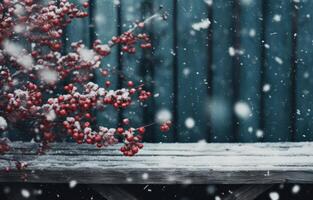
[[304, 89], [277, 105], [250, 46], [192, 68], [105, 16], [77, 30], [221, 107], [131, 12], [163, 75], [147, 69]]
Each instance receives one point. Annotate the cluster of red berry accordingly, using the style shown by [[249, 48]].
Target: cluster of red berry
[[129, 39], [29, 77]]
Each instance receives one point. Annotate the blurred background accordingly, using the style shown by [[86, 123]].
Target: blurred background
[[223, 71]]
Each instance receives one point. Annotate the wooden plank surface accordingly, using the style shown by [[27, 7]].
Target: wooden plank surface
[[194, 163]]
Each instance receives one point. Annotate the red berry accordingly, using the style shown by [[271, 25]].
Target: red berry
[[141, 130], [98, 138], [130, 84], [63, 112], [126, 121], [164, 128], [120, 130], [107, 83], [86, 4]]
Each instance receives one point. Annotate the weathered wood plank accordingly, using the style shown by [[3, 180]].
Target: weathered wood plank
[[197, 163]]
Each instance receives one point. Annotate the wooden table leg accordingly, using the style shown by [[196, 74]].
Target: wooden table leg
[[248, 192], [113, 192]]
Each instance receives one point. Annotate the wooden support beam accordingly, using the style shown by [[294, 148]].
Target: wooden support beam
[[113, 192], [248, 192]]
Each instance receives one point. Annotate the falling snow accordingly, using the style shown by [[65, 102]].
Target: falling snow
[[209, 2], [163, 115], [242, 110], [266, 87], [274, 195], [295, 189], [190, 123], [3, 123], [25, 193], [204, 24], [279, 60], [277, 18], [72, 183], [259, 133], [48, 76]]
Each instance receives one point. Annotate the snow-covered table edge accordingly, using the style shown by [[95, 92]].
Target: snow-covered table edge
[[174, 163]]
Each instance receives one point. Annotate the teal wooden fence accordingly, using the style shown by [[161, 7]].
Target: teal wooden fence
[[258, 53]]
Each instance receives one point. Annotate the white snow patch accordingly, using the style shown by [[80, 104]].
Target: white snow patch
[[19, 28], [279, 60], [204, 24], [163, 115], [50, 116], [87, 55], [274, 196], [242, 110], [19, 10], [190, 122], [25, 193], [15, 50], [12, 48], [266, 87], [3, 123]]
